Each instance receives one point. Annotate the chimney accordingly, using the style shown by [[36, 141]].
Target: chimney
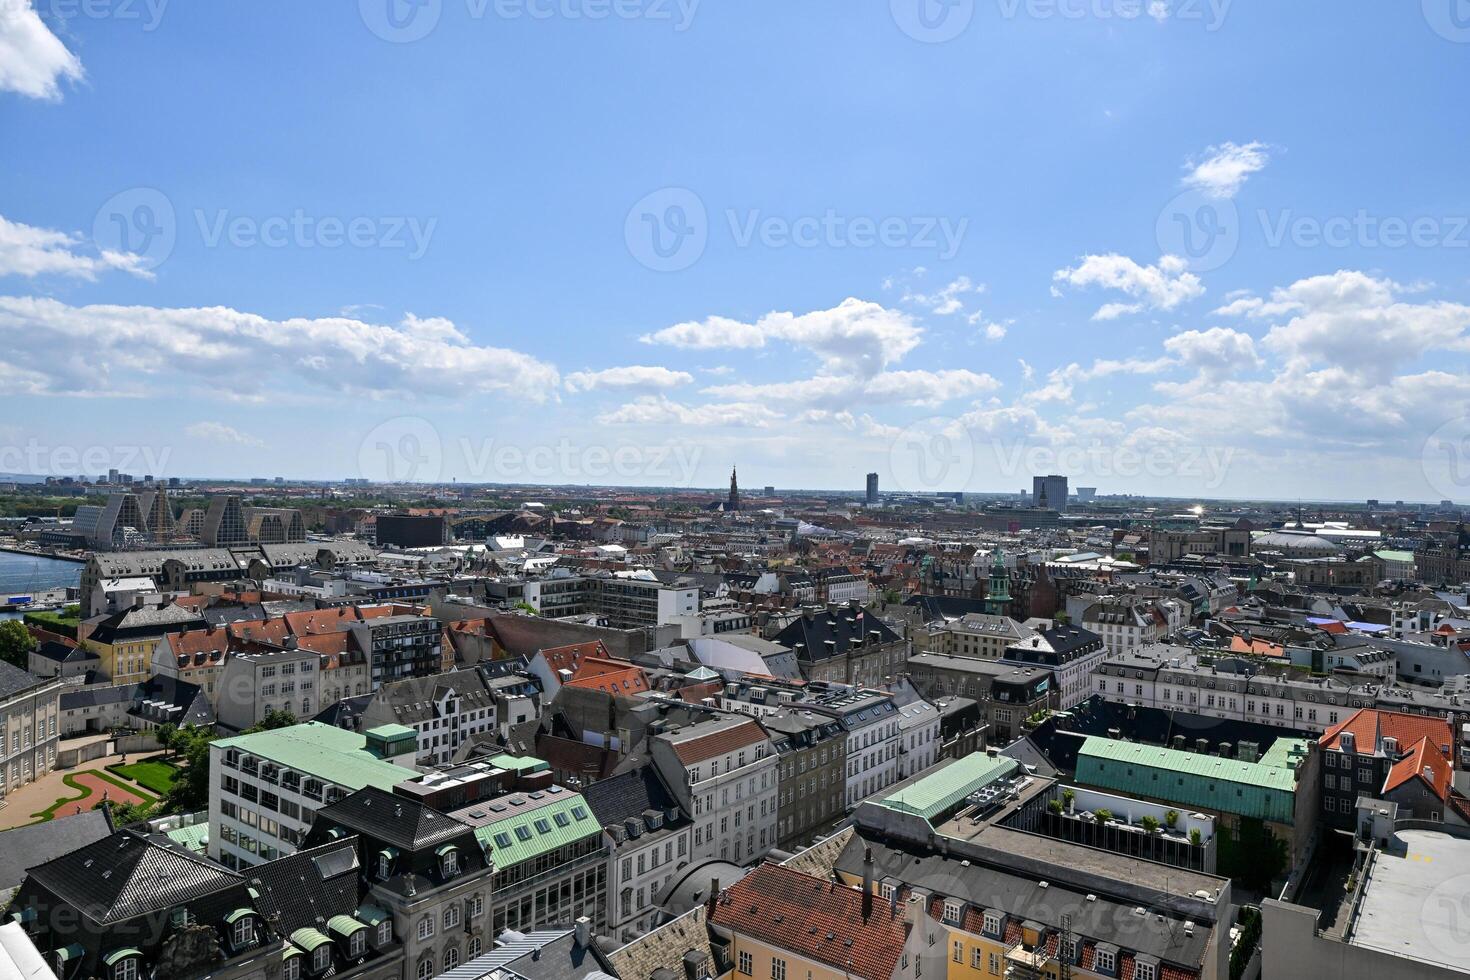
[[917, 908], [714, 894], [584, 932], [867, 883]]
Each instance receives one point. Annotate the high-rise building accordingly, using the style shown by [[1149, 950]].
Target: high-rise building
[[872, 496], [1049, 492]]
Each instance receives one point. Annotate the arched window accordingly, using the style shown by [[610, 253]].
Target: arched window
[[473, 950], [426, 968], [451, 958]]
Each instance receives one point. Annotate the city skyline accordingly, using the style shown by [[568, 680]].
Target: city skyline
[[1186, 290]]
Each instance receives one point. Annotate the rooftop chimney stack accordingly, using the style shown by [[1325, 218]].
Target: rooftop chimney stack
[[867, 883]]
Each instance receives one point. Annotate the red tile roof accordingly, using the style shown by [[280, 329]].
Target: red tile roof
[[1368, 725], [1424, 762], [610, 677], [815, 920], [703, 747], [570, 657]]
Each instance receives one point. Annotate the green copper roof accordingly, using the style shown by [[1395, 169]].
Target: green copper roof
[[519, 763], [1264, 790], [521, 837], [327, 752], [309, 939], [390, 732], [194, 838], [344, 925], [931, 796]]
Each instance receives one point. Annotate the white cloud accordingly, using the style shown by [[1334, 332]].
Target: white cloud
[[1216, 352], [989, 329], [857, 337], [1223, 170], [1061, 381], [661, 410], [947, 300], [1356, 322], [633, 376], [1156, 287], [29, 251], [33, 61], [828, 391], [219, 432], [135, 349]]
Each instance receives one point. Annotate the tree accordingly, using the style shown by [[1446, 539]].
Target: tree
[[166, 733], [127, 814], [191, 788], [274, 718], [15, 643]]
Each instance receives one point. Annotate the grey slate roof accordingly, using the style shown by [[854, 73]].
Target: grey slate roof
[[127, 874], [14, 681], [25, 847]]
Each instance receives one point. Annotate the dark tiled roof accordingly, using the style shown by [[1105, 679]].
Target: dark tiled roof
[[628, 795], [26, 847], [127, 874], [13, 680], [841, 627], [395, 820], [307, 888]]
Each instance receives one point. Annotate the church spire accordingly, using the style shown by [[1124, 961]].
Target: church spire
[[734, 502]]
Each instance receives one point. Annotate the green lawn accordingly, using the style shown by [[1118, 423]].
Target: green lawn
[[153, 774]]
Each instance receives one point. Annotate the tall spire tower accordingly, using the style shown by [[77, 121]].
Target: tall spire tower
[[734, 502]]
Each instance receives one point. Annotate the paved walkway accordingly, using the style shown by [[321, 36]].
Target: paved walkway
[[34, 797]]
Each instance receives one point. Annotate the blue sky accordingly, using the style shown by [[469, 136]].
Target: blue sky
[[637, 242]]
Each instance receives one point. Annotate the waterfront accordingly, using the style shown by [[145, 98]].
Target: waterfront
[[24, 574]]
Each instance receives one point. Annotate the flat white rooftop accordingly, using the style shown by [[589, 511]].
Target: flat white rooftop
[[1414, 901]]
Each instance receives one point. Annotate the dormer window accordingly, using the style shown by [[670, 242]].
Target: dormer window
[[993, 922], [321, 958], [1145, 971], [291, 969], [1104, 960], [123, 963], [357, 944], [385, 932], [954, 909], [449, 860], [242, 928]]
